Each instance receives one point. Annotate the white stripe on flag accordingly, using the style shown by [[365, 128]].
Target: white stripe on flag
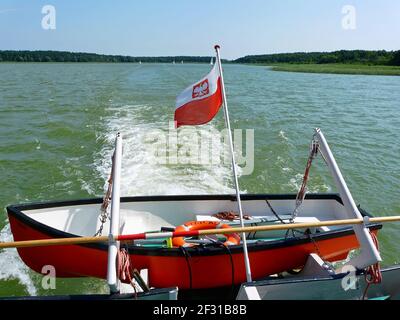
[[204, 88]]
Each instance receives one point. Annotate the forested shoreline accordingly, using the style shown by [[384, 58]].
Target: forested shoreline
[[66, 56], [364, 57]]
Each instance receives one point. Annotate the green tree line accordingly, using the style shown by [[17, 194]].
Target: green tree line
[[65, 56], [381, 57]]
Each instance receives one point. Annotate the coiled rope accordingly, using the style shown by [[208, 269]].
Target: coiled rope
[[373, 273], [126, 273], [230, 216]]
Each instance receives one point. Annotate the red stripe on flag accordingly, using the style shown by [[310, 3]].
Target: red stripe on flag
[[199, 111]]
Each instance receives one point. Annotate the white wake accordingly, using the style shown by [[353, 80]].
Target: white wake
[[11, 265], [142, 175]]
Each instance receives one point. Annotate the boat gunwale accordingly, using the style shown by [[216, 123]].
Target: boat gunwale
[[231, 197], [293, 280], [16, 211], [97, 296]]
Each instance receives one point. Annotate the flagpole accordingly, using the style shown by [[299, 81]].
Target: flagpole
[[239, 202]]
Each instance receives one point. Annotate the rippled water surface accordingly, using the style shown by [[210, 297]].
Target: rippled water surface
[[58, 123]]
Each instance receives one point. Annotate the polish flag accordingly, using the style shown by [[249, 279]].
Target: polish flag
[[199, 103]]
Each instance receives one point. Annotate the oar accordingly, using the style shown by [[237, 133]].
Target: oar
[[158, 235]]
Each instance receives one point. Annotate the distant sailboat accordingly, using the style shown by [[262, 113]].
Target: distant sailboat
[[173, 62], [140, 62], [211, 62], [181, 61]]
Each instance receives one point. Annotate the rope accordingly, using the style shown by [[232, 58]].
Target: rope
[[230, 216], [106, 200], [303, 189], [373, 273], [126, 273], [124, 268]]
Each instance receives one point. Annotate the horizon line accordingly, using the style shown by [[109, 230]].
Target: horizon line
[[174, 56]]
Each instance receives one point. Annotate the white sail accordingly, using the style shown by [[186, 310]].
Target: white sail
[[211, 62]]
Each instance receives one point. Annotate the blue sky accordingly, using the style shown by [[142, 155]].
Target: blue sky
[[183, 27]]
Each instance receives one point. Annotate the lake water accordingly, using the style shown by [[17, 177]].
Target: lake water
[[58, 122]]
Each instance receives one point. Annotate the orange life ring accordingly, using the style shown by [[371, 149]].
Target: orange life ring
[[231, 239]]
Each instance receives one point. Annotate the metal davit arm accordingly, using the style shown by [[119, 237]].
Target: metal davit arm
[[113, 246], [369, 253]]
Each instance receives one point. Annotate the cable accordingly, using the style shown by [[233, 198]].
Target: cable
[[280, 219], [274, 212], [219, 244], [187, 256], [232, 266]]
